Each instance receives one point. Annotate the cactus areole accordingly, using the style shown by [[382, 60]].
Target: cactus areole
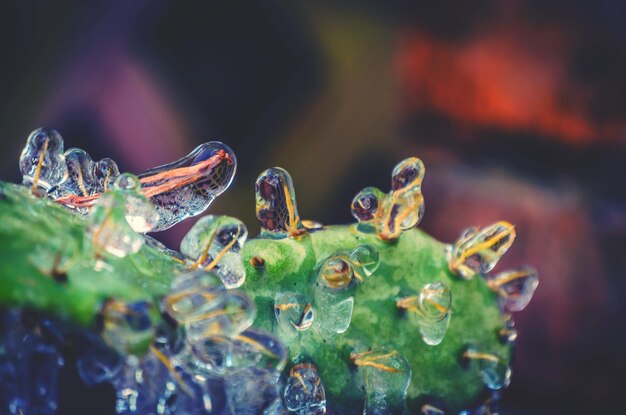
[[372, 317]]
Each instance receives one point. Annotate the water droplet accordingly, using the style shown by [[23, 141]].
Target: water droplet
[[259, 348], [252, 391], [430, 310], [515, 288], [215, 243], [407, 175], [276, 206], [336, 272], [213, 354], [494, 371], [235, 315], [80, 180], [194, 294], [140, 214], [127, 327], [365, 205], [293, 312], [365, 261], [508, 333], [399, 211], [105, 172], [334, 294], [304, 392], [42, 162], [478, 252], [387, 376], [186, 187]]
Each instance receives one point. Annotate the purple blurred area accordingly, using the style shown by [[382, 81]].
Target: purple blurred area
[[518, 110]]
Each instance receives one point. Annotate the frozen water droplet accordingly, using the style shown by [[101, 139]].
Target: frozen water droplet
[[194, 294], [508, 333], [276, 206], [235, 314], [365, 204], [105, 172], [477, 252], [187, 186], [140, 214], [213, 354], [430, 310], [407, 174], [215, 243], [399, 211], [293, 312], [127, 327], [259, 348], [80, 180], [387, 376], [515, 288], [304, 392], [432, 410], [365, 260], [42, 162], [252, 391], [334, 295], [494, 371]]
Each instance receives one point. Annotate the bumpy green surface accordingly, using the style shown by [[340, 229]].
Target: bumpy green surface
[[33, 230]]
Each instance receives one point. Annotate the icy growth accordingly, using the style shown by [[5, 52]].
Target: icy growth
[[186, 187], [127, 327], [365, 205], [494, 371], [293, 312], [276, 206], [304, 392], [42, 162], [215, 243], [477, 252], [193, 294], [430, 310], [387, 376], [515, 288], [334, 295], [365, 261]]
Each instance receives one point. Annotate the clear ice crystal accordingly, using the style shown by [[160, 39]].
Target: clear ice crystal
[[494, 371], [430, 310], [105, 172], [213, 354], [304, 392], [215, 243], [477, 252], [365, 261], [515, 288], [252, 391], [334, 295], [276, 206], [387, 375], [365, 205], [293, 312], [193, 294], [80, 180], [42, 162], [140, 214], [186, 187], [127, 327], [259, 348]]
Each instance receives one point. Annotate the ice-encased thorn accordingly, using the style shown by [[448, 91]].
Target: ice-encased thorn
[[334, 290], [259, 348], [387, 375], [127, 327], [432, 410], [478, 251], [105, 172], [304, 392], [293, 312], [276, 207], [365, 261], [194, 294], [407, 175], [508, 333], [186, 187], [252, 391], [215, 243], [42, 162], [234, 315], [494, 371], [80, 169], [115, 216], [399, 211], [515, 288], [365, 205], [430, 310]]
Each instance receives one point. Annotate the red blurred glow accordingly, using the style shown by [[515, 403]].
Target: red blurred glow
[[509, 79]]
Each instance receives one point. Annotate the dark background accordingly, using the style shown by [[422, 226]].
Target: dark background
[[516, 108]]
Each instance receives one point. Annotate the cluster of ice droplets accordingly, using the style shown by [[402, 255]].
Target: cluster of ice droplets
[[178, 190], [400, 209]]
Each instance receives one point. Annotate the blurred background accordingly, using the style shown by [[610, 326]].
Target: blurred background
[[518, 110]]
